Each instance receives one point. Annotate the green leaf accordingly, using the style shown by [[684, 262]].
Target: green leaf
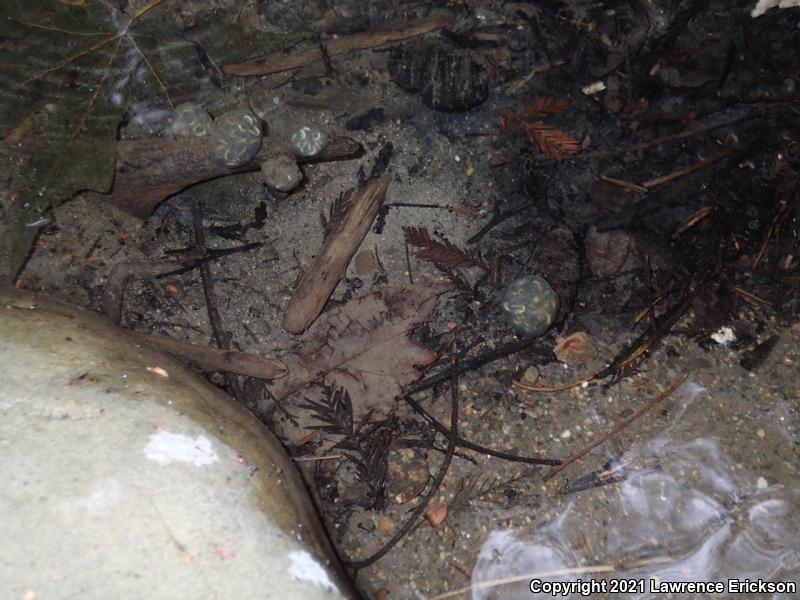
[[68, 71]]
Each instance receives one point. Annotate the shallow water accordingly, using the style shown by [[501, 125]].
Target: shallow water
[[684, 512]]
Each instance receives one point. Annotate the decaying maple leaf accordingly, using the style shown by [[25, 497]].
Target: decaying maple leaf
[[363, 347]]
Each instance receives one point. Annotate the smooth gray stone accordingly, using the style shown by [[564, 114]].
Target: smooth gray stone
[[125, 475]]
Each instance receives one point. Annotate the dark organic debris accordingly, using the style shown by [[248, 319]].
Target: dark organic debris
[[557, 258], [452, 438], [367, 120], [365, 443], [755, 357], [447, 79]]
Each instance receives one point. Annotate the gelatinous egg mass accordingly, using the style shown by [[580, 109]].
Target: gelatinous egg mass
[[530, 305], [235, 138], [309, 141], [281, 172], [189, 120]]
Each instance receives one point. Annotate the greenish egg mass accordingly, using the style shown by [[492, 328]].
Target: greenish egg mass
[[189, 120], [530, 305], [309, 141], [235, 138]]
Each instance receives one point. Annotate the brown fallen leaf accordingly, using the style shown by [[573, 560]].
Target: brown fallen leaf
[[575, 349], [363, 347]]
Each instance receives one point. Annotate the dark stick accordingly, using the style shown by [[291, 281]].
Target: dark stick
[[462, 443], [220, 335], [275, 63], [617, 428], [497, 218], [470, 364], [437, 481]]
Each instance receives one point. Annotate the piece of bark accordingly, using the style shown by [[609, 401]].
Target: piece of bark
[[275, 63], [150, 170], [213, 359], [323, 274]]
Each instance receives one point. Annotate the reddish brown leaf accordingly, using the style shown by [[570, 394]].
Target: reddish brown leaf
[[444, 253], [337, 209], [555, 143], [544, 107]]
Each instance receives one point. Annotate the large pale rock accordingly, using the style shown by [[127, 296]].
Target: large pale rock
[[125, 475]]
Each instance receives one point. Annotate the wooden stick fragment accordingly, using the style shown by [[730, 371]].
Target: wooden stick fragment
[[692, 221], [323, 274], [275, 63], [213, 359], [685, 170], [626, 185]]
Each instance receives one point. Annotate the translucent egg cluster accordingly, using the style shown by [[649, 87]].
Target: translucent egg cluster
[[235, 138], [189, 120], [530, 305], [309, 141]]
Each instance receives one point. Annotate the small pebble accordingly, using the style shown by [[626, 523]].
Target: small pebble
[[566, 434], [761, 433], [385, 524], [530, 376], [761, 483]]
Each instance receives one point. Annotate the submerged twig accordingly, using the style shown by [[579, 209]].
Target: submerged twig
[[213, 359], [121, 275], [461, 442], [275, 63], [527, 577], [617, 428]]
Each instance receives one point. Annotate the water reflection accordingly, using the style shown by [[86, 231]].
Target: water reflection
[[684, 512]]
